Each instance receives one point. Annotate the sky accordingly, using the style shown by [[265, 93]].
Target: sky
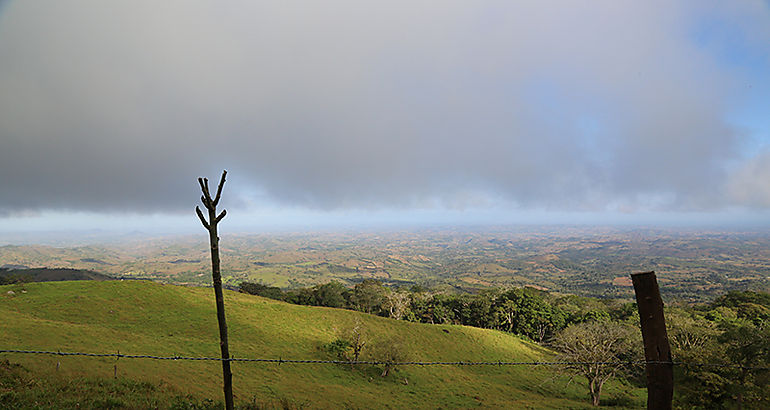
[[344, 113]]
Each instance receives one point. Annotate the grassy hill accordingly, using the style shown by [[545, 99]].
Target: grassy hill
[[149, 318]]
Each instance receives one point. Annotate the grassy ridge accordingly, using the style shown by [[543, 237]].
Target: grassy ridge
[[149, 318]]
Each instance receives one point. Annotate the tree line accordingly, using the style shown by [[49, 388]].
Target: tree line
[[528, 312]]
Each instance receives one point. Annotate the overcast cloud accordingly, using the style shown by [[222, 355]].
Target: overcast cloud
[[600, 105]]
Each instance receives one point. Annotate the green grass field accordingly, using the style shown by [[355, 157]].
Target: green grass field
[[149, 318]]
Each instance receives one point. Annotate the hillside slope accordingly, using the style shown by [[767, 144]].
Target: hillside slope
[[148, 318]]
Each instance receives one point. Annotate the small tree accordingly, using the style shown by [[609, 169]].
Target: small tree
[[358, 337], [595, 350], [397, 304], [350, 343], [389, 352]]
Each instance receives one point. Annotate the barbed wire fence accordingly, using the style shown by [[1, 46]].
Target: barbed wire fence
[[379, 362]]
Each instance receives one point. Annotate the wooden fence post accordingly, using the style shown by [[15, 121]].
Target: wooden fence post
[[657, 352], [211, 226]]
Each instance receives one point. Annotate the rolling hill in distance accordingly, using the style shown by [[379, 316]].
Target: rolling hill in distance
[[692, 265]]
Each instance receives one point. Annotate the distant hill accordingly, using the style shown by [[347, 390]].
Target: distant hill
[[693, 265], [49, 275], [12, 266], [138, 317]]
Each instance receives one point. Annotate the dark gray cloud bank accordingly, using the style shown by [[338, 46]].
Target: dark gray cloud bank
[[346, 104]]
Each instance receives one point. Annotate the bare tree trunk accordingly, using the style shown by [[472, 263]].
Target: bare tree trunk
[[599, 385], [594, 393], [211, 226]]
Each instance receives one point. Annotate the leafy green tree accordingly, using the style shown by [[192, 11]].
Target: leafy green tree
[[748, 346], [439, 310], [261, 290], [721, 314], [333, 294], [625, 312], [755, 313], [302, 296], [368, 296], [527, 312], [579, 309], [734, 299], [693, 340], [506, 312], [688, 331], [747, 305], [480, 313], [596, 315], [718, 337], [431, 309]]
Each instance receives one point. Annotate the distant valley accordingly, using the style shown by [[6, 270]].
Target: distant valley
[[692, 265]]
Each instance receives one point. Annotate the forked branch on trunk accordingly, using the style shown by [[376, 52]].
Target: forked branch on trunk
[[211, 226]]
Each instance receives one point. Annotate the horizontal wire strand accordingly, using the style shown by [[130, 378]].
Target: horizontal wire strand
[[376, 362]]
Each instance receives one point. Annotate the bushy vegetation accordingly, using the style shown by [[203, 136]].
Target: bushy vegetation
[[734, 329]]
